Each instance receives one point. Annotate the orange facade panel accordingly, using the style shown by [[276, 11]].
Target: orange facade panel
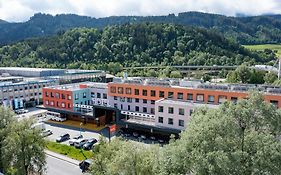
[[179, 93], [57, 98]]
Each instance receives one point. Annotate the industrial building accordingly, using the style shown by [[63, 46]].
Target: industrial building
[[31, 72]]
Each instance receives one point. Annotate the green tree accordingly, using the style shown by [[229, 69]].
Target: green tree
[[244, 73], [6, 120], [270, 77], [235, 139], [232, 77], [24, 149], [175, 74], [206, 77]]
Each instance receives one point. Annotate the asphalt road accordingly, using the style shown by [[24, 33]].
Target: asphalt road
[[59, 167]]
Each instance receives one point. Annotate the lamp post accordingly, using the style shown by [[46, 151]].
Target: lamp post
[[80, 127]]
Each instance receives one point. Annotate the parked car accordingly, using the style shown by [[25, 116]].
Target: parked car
[[152, 138], [89, 145], [127, 135], [80, 142], [161, 141], [85, 165], [71, 142], [46, 133], [21, 111], [58, 119], [143, 137], [63, 137], [135, 134], [39, 126]]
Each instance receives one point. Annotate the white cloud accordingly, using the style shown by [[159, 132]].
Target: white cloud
[[21, 10]]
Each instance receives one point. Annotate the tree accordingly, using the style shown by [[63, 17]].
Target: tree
[[6, 120], [134, 159], [243, 73], [175, 74], [270, 77], [24, 149], [232, 77], [237, 138], [206, 77]]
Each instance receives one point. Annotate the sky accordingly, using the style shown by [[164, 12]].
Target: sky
[[22, 10]]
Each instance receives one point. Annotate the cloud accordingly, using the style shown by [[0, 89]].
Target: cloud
[[21, 10]]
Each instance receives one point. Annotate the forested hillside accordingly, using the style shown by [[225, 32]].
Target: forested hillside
[[129, 45], [245, 30]]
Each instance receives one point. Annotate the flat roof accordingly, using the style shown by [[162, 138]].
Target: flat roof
[[95, 84], [29, 69], [25, 83], [68, 87]]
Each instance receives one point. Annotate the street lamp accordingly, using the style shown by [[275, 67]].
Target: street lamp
[[80, 127]]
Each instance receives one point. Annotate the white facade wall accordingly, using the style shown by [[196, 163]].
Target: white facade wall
[[13, 94], [98, 93], [186, 107]]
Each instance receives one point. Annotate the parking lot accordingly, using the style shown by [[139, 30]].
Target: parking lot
[[57, 131]]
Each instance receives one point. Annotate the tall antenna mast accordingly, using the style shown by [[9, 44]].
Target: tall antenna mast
[[279, 68]]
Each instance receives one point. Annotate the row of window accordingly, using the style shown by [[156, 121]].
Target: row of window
[[58, 104], [136, 109], [180, 95], [98, 95], [171, 110], [171, 121], [136, 100], [23, 88]]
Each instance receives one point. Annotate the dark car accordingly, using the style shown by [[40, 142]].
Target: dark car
[[89, 144], [85, 165], [63, 137]]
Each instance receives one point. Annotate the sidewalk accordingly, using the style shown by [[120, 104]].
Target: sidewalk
[[62, 157]]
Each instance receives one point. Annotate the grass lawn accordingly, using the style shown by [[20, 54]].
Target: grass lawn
[[265, 46], [68, 151]]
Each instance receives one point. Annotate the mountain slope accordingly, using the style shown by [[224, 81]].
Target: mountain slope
[[245, 30], [131, 45]]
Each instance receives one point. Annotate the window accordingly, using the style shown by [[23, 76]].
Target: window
[[170, 94], [52, 103], [144, 92], [57, 95], [68, 105], [63, 105], [113, 89], [115, 98], [98, 95], [129, 107], [58, 104], [137, 100], [69, 97], [161, 94], [211, 99], [122, 99], [180, 96], [144, 101], [189, 96], [190, 112], [84, 95], [152, 102], [160, 119], [62, 96], [137, 108], [35, 86], [47, 102], [170, 121], [152, 111], [121, 106], [25, 88], [144, 109], [76, 96], [160, 108], [128, 91], [137, 92], [200, 97], [104, 96], [152, 93], [274, 103], [129, 100], [93, 95], [52, 95], [234, 99], [115, 105], [170, 110], [181, 123], [181, 111], [46, 94], [222, 98], [120, 90]]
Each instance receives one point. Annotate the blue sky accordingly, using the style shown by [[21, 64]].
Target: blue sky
[[22, 10]]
